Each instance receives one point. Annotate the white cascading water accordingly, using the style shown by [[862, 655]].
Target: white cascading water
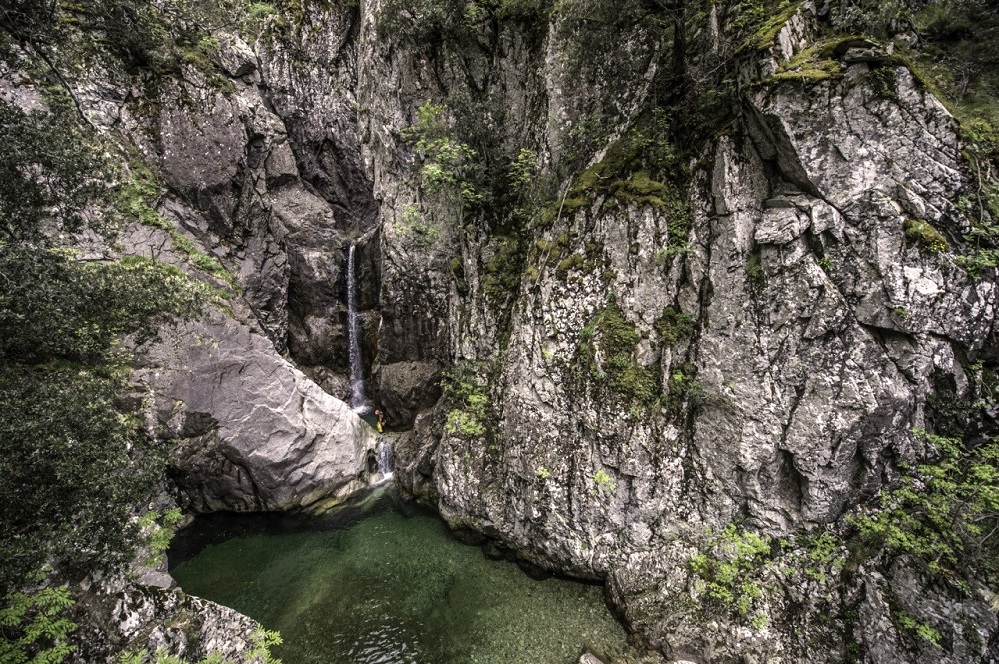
[[386, 461], [358, 399]]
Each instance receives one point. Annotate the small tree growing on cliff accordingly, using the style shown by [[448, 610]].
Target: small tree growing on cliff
[[448, 164]]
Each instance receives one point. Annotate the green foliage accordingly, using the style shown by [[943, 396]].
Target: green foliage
[[160, 529], [157, 38], [608, 347], [423, 21], [640, 169], [447, 163], [763, 19], [674, 326], [73, 458], [56, 307], [927, 238], [523, 169], [34, 625], [811, 65], [161, 656], [726, 567], [73, 463], [502, 273], [469, 402], [49, 165], [956, 60], [823, 552], [604, 483], [137, 199], [413, 226], [263, 640], [920, 630], [543, 473], [530, 11], [944, 513], [879, 19]]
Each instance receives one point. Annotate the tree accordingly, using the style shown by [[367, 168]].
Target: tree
[[73, 460]]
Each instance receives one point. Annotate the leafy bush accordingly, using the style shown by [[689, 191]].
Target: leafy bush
[[944, 513], [73, 457], [727, 565], [73, 464], [34, 624], [49, 166], [447, 163]]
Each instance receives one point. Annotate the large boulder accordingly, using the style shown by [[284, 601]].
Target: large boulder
[[252, 432]]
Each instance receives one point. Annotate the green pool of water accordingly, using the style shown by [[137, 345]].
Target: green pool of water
[[385, 583]]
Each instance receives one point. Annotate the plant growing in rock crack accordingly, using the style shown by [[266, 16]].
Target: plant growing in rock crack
[[919, 629], [423, 232], [927, 238], [607, 348], [159, 529], [726, 568], [604, 483], [469, 402], [945, 512]]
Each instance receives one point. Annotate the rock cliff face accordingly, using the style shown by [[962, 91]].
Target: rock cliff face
[[666, 324]]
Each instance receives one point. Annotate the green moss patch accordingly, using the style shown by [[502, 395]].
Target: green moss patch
[[614, 339], [928, 239], [674, 326]]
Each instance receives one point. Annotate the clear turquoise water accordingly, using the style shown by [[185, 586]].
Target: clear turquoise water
[[383, 583]]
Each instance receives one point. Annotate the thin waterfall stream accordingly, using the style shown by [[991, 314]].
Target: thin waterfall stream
[[358, 397], [386, 461]]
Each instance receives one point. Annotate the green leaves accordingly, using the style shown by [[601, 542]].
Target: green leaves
[[50, 170], [470, 402], [34, 626], [73, 461], [55, 307], [945, 513], [726, 567], [447, 162], [73, 464]]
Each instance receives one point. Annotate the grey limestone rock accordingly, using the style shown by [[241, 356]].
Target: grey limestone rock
[[116, 615]]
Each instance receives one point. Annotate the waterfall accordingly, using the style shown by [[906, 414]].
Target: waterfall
[[386, 461], [358, 399]]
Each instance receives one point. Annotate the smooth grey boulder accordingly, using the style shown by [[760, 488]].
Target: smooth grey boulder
[[252, 432]]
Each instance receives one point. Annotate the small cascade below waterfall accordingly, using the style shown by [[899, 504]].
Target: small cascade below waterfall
[[358, 398], [386, 461]]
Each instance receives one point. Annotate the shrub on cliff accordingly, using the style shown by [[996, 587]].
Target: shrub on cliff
[[73, 458]]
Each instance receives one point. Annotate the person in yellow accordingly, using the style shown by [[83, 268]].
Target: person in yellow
[[380, 425]]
